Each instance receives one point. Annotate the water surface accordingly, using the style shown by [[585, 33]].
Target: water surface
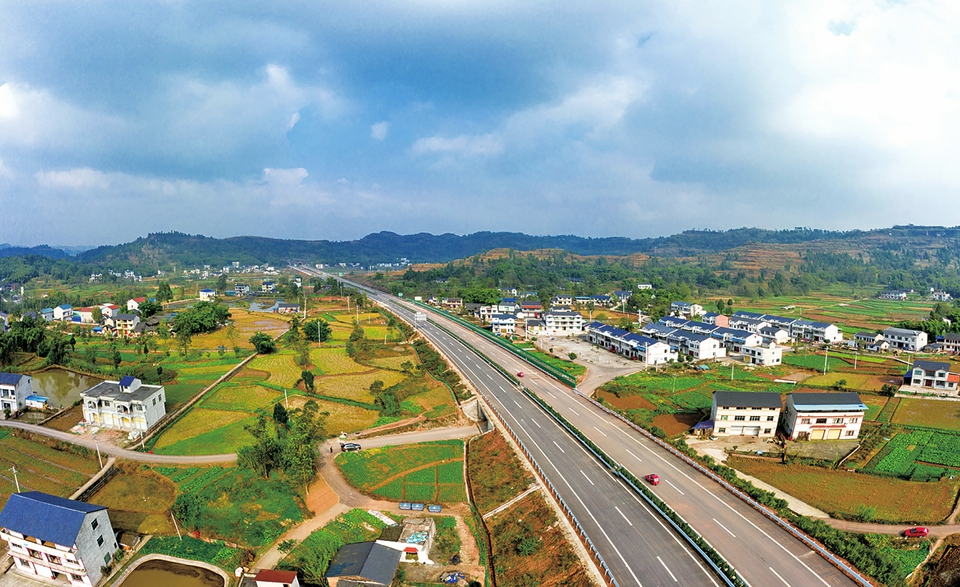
[[61, 387], [160, 573]]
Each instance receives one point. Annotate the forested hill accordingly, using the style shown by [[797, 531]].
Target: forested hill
[[161, 249]]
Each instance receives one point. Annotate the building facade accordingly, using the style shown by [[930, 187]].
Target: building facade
[[124, 405], [14, 391], [562, 322], [503, 324], [764, 356], [745, 413], [823, 416], [905, 339], [54, 538], [933, 375]]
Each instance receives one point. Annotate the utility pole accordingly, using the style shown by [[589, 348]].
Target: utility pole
[[826, 355], [176, 526], [97, 444], [15, 478]]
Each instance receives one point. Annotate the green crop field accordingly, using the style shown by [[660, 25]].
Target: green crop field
[[928, 412], [843, 493], [42, 468], [243, 398], [853, 380], [814, 362], [356, 387], [431, 471], [197, 422], [916, 453], [312, 556]]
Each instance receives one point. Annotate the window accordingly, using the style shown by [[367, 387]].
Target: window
[[99, 540], [94, 524], [769, 418], [721, 430], [849, 433], [754, 418], [821, 420], [54, 559], [154, 401], [106, 559], [766, 430], [805, 421], [723, 417], [838, 420], [739, 418], [76, 578], [23, 563], [16, 545], [854, 420]]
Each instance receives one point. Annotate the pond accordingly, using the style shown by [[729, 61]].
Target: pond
[[61, 387], [161, 573]]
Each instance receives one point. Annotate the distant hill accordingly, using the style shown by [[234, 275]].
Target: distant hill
[[162, 250], [7, 250]]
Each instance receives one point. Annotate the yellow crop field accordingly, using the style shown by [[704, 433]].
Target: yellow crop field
[[378, 332], [334, 361], [281, 367], [339, 331], [393, 362], [342, 418], [854, 380], [355, 387], [196, 422], [245, 324]]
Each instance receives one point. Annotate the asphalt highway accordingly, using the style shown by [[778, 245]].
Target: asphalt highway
[[632, 540]]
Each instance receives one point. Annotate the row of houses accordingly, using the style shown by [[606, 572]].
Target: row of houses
[[903, 339], [796, 328], [633, 346], [806, 416], [560, 322]]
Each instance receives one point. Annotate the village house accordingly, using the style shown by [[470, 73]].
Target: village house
[[503, 324], [268, 287], [562, 322], [127, 404], [561, 300], [108, 310], [207, 295], [774, 334], [47, 314], [866, 338], [951, 342], [940, 296], [745, 413], [134, 303], [452, 304], [717, 319], [284, 308], [241, 289], [905, 339], [83, 315], [764, 356], [58, 539], [686, 309], [275, 578], [932, 375], [823, 416], [123, 324], [893, 295], [370, 564], [63, 312], [533, 327], [630, 345], [530, 309], [14, 391]]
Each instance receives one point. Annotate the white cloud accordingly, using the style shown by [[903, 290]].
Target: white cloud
[[285, 176], [466, 145], [8, 105], [6, 171], [74, 179], [294, 119], [378, 131]]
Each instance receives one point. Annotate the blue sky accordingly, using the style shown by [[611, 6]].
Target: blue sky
[[333, 120]]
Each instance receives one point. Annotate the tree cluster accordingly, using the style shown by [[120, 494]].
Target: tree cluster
[[289, 444], [203, 317]]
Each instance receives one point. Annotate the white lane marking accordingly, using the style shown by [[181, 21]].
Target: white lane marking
[[633, 455], [518, 404], [585, 477], [574, 413], [674, 486], [668, 569], [560, 447], [550, 394], [622, 514], [725, 528], [779, 577], [600, 431], [535, 422]]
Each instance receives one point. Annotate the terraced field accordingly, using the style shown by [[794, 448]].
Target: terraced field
[[41, 467], [335, 361], [342, 417], [281, 367], [355, 387]]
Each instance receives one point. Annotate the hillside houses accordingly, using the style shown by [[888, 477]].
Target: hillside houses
[[798, 328]]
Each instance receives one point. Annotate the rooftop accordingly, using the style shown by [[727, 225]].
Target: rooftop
[[47, 517], [112, 390], [372, 561], [847, 400], [10, 378], [748, 399]]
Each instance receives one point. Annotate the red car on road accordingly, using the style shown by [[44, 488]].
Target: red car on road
[[652, 479], [918, 532], [519, 373]]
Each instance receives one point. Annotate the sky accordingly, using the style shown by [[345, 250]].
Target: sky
[[332, 120]]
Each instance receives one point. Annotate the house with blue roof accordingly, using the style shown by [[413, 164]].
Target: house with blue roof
[[14, 390], [63, 312], [47, 314], [823, 416], [56, 538], [207, 295], [630, 345], [127, 404]]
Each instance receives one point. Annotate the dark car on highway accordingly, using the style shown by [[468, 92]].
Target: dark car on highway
[[349, 447]]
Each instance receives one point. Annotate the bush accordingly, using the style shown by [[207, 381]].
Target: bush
[[263, 343]]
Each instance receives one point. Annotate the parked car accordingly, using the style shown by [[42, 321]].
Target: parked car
[[349, 447], [918, 532], [519, 373], [652, 479]]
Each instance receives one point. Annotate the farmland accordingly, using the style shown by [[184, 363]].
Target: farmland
[[918, 455], [928, 412], [431, 471], [312, 556], [139, 500], [41, 466], [844, 494]]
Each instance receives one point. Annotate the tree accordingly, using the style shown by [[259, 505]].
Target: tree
[[280, 414], [163, 330], [263, 343], [203, 317], [116, 359], [307, 378], [222, 283], [183, 342], [148, 308], [317, 330], [164, 293], [188, 508], [97, 314]]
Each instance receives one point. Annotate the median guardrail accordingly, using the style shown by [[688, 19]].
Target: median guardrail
[[544, 366]]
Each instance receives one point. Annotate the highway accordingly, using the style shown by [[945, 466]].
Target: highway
[[763, 553]]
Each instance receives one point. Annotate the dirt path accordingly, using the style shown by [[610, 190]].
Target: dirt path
[[890, 529]]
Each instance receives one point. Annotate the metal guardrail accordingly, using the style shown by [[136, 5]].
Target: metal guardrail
[[557, 374], [836, 561]]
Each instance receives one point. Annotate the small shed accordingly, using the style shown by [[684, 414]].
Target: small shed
[[275, 578], [36, 401]]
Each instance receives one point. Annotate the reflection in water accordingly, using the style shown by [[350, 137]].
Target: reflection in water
[[159, 573], [61, 387]]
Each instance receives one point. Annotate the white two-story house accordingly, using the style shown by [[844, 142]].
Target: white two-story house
[[905, 339], [124, 405], [745, 413], [503, 324], [823, 416], [933, 375], [765, 356], [562, 322], [14, 390], [56, 538]]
